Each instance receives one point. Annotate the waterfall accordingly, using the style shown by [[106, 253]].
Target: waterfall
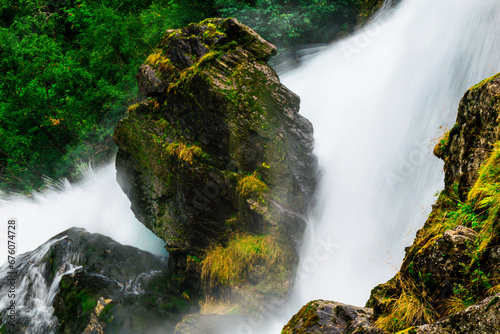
[[97, 204], [378, 101]]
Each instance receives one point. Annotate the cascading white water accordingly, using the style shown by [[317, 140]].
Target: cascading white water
[[97, 204], [377, 101], [34, 296]]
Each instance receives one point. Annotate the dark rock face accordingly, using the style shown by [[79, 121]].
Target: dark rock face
[[117, 289], [218, 147], [321, 316], [473, 135]]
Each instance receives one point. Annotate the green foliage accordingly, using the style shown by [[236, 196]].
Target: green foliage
[[68, 73]]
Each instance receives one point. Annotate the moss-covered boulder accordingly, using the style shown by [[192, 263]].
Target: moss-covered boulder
[[115, 288], [453, 262], [218, 162], [322, 316]]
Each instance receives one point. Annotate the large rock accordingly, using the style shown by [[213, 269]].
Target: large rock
[[218, 150], [444, 258], [321, 316], [429, 271]]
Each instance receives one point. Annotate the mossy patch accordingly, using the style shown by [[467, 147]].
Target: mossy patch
[[79, 302], [184, 153], [230, 265], [106, 314]]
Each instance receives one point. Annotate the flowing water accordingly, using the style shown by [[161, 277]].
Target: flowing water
[[97, 204], [35, 295], [378, 100]]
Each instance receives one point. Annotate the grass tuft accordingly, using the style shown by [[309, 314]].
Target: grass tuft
[[161, 62], [185, 153], [251, 185], [410, 308], [230, 265]]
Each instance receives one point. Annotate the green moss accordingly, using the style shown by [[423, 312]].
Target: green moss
[[484, 82], [307, 315], [79, 304], [184, 153], [106, 314], [87, 301]]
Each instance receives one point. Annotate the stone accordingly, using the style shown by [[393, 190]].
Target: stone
[[218, 151], [473, 135], [322, 316], [480, 318]]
